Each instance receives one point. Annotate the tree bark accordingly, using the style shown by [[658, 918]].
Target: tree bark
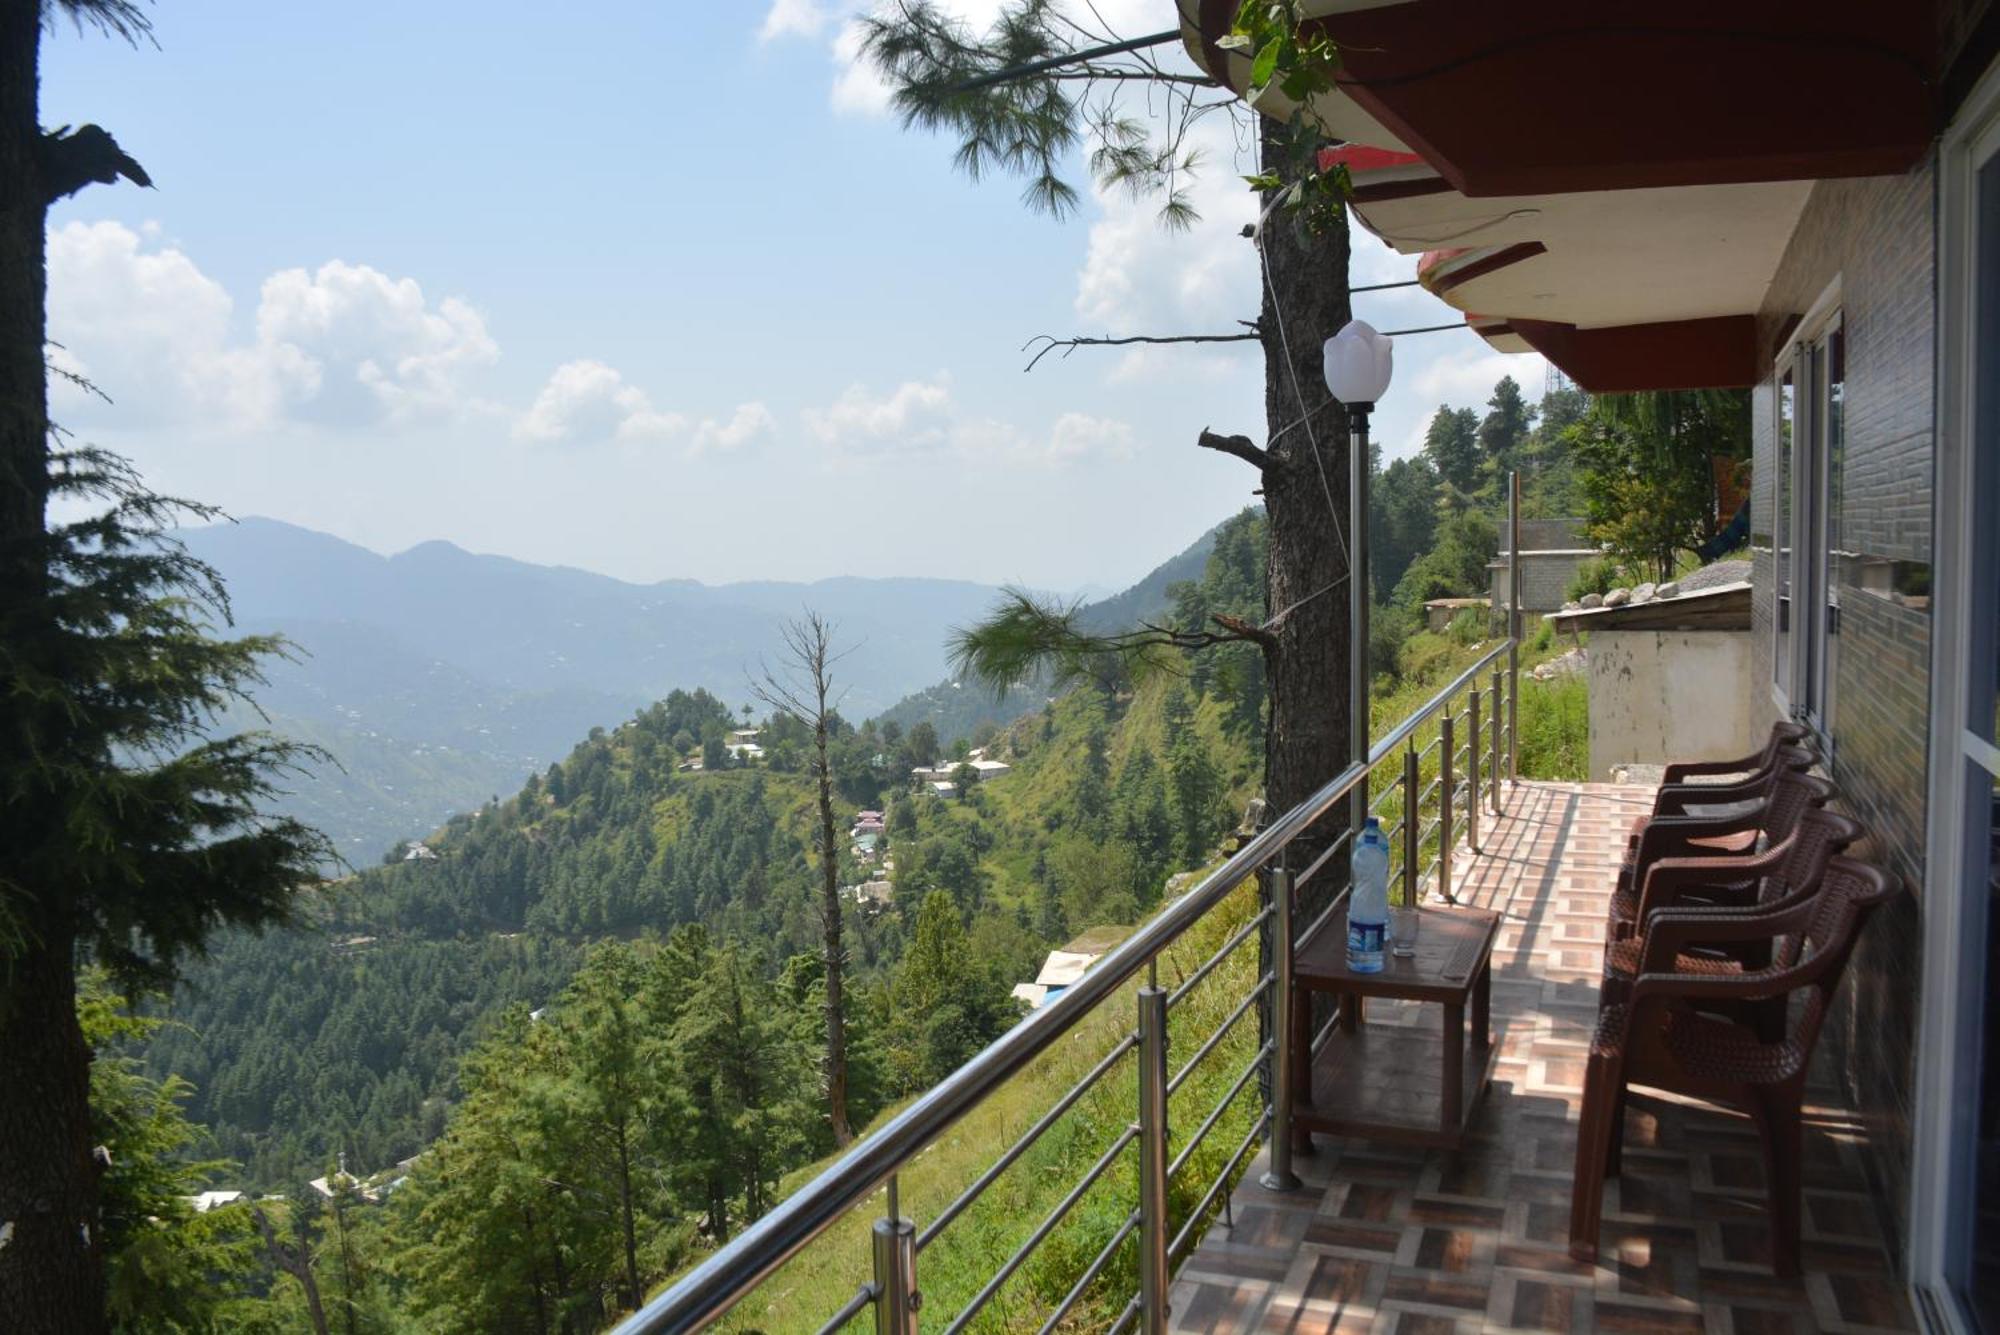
[[1305, 501], [829, 886], [52, 1263]]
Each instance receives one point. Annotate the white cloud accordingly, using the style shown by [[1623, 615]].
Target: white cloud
[[345, 343], [857, 89], [381, 347], [913, 417], [919, 417], [588, 402], [1078, 434], [1139, 277], [794, 18], [747, 423]]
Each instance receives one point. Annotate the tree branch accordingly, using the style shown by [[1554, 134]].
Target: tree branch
[[1050, 342], [1239, 446], [73, 159]]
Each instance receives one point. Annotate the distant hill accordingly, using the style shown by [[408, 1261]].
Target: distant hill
[[955, 708], [438, 678]]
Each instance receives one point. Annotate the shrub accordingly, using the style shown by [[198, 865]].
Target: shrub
[[1599, 576], [1468, 627], [1423, 654]]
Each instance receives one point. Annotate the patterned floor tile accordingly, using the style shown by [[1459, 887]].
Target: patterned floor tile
[[1402, 1242]]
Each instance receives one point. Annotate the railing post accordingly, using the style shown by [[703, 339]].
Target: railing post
[[1514, 628], [1153, 1223], [1412, 824], [1447, 798], [896, 1299], [1493, 770], [1280, 1177], [1472, 769]]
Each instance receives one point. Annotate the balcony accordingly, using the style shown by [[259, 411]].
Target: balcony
[[1154, 1215], [1389, 1239]]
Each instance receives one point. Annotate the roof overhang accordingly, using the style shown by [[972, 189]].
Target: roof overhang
[[1558, 96]]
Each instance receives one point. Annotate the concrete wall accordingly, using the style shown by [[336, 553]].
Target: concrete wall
[[1545, 577], [1663, 695]]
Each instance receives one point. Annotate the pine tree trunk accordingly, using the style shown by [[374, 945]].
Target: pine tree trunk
[[52, 1264], [632, 1291], [1305, 500], [829, 885]]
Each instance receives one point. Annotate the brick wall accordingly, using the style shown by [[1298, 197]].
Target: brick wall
[[1875, 236]]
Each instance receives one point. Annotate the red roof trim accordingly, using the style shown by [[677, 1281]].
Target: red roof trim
[[1362, 158], [1499, 259], [1715, 353]]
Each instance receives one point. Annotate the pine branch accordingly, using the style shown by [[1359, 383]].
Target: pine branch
[[1027, 635]]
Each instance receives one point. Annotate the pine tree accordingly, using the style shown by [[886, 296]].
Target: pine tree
[[1504, 429], [1451, 443]]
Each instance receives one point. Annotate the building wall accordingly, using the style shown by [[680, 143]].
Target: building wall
[[1876, 237], [1663, 695], [1545, 577]]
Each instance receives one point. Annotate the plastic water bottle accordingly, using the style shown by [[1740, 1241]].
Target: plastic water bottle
[[1368, 901]]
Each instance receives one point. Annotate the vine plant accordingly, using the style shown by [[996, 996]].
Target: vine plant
[[1301, 64]]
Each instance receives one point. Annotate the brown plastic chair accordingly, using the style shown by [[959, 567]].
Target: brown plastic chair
[[1788, 872], [1682, 799], [1667, 1037], [1783, 733], [1769, 820]]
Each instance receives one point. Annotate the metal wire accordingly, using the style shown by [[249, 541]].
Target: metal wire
[[1042, 1231], [1090, 1273], [1322, 859], [1215, 1114], [1029, 1137], [1242, 1007], [1187, 1230], [1243, 934], [853, 1307]]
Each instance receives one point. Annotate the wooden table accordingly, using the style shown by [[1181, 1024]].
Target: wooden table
[[1416, 1084]]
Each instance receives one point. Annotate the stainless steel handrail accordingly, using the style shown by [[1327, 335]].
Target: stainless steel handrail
[[714, 1286], [717, 1284]]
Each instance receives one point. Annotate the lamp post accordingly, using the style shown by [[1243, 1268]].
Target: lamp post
[[1358, 362]]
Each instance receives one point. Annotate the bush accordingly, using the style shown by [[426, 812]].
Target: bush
[[1467, 628], [1599, 576], [1389, 628], [1423, 654]]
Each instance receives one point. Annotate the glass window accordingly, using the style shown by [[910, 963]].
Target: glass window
[[1781, 531]]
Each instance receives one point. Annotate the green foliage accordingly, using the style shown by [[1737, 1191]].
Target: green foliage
[[1504, 429], [114, 678], [1646, 471], [1555, 728], [1403, 520], [1302, 64], [168, 1268], [1599, 575], [1455, 566], [1451, 444]]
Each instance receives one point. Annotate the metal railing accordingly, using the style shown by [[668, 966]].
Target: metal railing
[[1437, 784]]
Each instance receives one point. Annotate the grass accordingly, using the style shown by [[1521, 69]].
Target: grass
[[810, 1288], [804, 1293]]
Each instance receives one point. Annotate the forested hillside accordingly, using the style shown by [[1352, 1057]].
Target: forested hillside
[[437, 678]]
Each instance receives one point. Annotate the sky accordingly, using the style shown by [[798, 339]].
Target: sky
[[657, 290]]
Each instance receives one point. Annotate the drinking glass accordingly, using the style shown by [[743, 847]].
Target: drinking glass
[[1404, 921]]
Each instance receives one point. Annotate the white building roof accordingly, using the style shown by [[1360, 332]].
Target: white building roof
[[1064, 967]]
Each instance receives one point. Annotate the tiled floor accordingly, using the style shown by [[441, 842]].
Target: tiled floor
[[1385, 1239]]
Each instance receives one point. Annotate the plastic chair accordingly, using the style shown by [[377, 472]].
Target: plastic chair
[[1668, 1037]]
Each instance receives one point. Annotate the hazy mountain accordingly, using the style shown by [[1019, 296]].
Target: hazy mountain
[[437, 677], [955, 708]]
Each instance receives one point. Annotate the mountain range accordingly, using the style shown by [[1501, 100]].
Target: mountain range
[[437, 677]]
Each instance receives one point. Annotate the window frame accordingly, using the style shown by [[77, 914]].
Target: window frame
[[1803, 584]]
